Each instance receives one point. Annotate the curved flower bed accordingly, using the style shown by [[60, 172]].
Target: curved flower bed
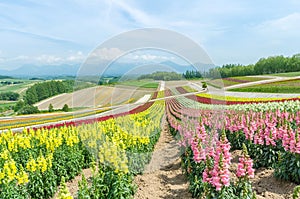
[[270, 138], [227, 100]]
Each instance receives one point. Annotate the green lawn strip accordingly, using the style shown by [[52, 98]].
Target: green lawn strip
[[290, 74], [16, 87], [289, 86], [6, 104]]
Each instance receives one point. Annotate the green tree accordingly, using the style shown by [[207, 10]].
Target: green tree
[[50, 108], [19, 105], [28, 109], [65, 108]]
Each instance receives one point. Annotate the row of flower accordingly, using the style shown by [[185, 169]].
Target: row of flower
[[135, 110], [39, 120], [33, 163], [207, 98], [271, 138], [42, 119], [122, 146], [289, 106]]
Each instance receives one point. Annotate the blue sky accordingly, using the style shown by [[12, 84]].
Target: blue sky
[[66, 31]]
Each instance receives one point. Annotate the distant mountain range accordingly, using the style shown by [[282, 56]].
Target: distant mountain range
[[115, 69], [42, 71]]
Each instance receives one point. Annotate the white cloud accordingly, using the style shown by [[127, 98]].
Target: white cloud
[[79, 56], [49, 59], [106, 53], [289, 24], [150, 57], [138, 15]]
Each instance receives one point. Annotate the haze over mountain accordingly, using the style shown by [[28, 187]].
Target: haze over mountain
[[115, 69]]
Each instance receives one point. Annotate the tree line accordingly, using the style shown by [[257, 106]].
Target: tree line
[[9, 96], [269, 65], [162, 75], [10, 82], [41, 91]]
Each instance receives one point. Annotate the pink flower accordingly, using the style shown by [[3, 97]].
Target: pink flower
[[245, 167], [219, 175]]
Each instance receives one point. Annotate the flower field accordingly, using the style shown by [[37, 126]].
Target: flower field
[[33, 163], [30, 121], [268, 136], [207, 98]]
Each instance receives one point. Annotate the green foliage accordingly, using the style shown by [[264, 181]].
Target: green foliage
[[262, 155], [50, 108], [43, 90], [68, 161], [108, 80], [11, 190], [288, 167], [65, 108], [192, 170], [66, 164], [204, 85], [7, 106], [236, 140], [107, 184], [160, 75], [9, 96], [28, 109], [192, 74], [19, 105], [42, 185], [296, 193], [273, 64], [10, 82]]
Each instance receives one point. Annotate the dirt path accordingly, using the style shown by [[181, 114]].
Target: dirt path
[[163, 176]]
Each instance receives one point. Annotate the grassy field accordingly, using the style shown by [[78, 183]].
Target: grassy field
[[18, 88], [140, 83], [288, 86], [6, 103], [290, 74]]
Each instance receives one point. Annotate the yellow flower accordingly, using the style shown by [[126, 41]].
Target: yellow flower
[[31, 165], [10, 170], [42, 163], [22, 177], [2, 176], [5, 154]]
